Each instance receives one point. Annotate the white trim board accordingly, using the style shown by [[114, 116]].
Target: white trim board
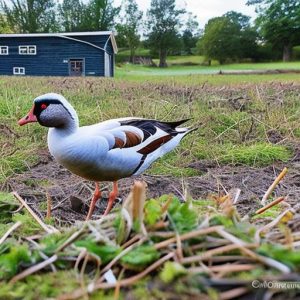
[[66, 35]]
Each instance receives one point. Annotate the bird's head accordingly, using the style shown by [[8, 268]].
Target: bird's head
[[50, 110]]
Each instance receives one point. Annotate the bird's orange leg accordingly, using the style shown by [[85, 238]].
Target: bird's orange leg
[[112, 197], [96, 197]]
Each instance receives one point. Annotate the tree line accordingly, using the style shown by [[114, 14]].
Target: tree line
[[166, 29]]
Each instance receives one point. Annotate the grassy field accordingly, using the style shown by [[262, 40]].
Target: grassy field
[[222, 126], [244, 121], [135, 72]]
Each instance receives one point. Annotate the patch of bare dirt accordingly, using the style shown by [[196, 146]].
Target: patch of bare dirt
[[71, 195]]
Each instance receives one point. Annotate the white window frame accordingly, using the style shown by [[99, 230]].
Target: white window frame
[[27, 50], [19, 71], [5, 48]]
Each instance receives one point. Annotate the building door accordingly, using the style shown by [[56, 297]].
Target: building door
[[107, 65], [76, 67]]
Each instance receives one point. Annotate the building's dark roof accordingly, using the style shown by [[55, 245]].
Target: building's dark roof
[[67, 35]]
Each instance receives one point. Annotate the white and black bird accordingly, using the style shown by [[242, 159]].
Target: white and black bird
[[107, 151]]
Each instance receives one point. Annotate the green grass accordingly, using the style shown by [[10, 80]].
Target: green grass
[[225, 134], [260, 154], [176, 68]]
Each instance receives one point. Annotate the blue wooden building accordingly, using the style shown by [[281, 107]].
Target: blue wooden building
[[58, 54]]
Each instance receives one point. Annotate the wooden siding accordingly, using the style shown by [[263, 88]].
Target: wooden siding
[[53, 54]]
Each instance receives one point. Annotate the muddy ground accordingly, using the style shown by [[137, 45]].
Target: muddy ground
[[71, 195]]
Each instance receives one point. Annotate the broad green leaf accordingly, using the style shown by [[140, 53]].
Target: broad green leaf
[[221, 220], [172, 270], [152, 212], [183, 217], [105, 252], [140, 257]]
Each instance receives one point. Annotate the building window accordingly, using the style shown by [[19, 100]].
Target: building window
[[27, 50], [19, 71], [3, 50]]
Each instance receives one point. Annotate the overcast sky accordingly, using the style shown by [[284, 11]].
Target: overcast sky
[[206, 9]]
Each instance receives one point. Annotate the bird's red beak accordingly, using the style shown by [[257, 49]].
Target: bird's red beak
[[29, 118]]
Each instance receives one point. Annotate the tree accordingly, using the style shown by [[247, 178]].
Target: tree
[[248, 35], [163, 27], [228, 37], [4, 27], [73, 14], [30, 15], [279, 23], [101, 14], [190, 34], [128, 30]]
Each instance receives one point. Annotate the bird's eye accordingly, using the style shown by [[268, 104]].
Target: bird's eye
[[44, 106]]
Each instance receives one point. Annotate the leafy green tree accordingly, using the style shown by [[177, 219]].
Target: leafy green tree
[[248, 36], [31, 15], [190, 34], [228, 37], [279, 23], [128, 30], [4, 27], [101, 15], [163, 22], [73, 14], [220, 40]]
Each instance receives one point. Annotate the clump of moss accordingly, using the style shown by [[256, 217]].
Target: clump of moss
[[261, 154], [41, 286]]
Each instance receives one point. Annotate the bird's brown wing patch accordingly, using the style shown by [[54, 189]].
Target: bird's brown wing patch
[[155, 145], [119, 143], [132, 139]]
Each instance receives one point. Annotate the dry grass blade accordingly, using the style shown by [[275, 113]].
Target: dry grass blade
[[134, 204], [139, 198], [125, 282], [49, 204], [270, 225], [274, 264], [47, 228], [187, 236], [131, 241], [234, 293], [208, 254], [271, 204], [230, 237], [273, 185], [34, 269], [9, 231], [227, 268]]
